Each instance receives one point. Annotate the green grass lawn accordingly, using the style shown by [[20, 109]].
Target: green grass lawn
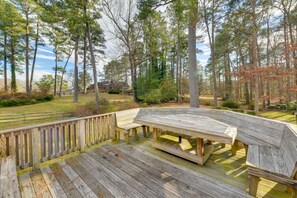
[[65, 103], [279, 115]]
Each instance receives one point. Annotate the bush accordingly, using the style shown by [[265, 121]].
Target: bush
[[113, 92], [250, 112], [152, 97], [45, 84], [168, 91], [222, 108], [207, 102], [251, 106], [20, 99], [238, 110], [230, 104], [291, 106], [90, 108], [271, 107]]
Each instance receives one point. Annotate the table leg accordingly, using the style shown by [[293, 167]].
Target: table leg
[[155, 134], [234, 147], [200, 147], [179, 139], [135, 134], [144, 131]]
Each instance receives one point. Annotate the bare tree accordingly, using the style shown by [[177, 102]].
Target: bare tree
[[122, 15]]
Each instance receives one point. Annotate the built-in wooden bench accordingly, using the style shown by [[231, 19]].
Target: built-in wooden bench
[[276, 164], [124, 124], [9, 186]]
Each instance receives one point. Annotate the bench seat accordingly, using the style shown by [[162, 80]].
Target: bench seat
[[268, 159], [125, 124], [9, 186], [129, 126]]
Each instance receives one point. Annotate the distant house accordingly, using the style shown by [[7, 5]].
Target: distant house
[[106, 86], [66, 92]]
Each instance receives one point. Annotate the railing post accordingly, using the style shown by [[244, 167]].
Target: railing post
[[113, 127], [36, 147], [82, 135]]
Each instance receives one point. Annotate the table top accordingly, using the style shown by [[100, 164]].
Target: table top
[[192, 125]]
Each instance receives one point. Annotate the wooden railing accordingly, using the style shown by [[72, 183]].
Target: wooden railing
[[35, 144]]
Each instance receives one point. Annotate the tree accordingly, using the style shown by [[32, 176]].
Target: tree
[[116, 70], [193, 77], [45, 84], [127, 31], [27, 8]]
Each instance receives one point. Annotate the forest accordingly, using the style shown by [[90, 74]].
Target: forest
[[251, 47]]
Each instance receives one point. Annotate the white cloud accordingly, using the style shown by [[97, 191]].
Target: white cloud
[[42, 56], [45, 50]]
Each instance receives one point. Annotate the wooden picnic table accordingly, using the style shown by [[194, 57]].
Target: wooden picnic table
[[192, 126]]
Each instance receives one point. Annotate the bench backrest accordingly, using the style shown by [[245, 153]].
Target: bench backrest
[[9, 186], [266, 130], [288, 148], [126, 116]]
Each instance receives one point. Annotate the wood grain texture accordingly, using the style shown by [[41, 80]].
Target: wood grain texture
[[192, 125]]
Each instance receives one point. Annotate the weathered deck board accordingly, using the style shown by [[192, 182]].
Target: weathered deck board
[[87, 176], [53, 185], [201, 182], [68, 187], [103, 159], [26, 187], [142, 171], [139, 168], [39, 185]]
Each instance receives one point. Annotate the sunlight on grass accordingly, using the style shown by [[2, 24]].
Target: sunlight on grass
[[282, 116]]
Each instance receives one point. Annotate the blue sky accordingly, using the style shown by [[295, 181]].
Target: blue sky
[[46, 60]]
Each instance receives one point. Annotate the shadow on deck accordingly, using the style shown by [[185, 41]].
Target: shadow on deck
[[139, 170]]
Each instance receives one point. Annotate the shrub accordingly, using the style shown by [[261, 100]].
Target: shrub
[[271, 107], [152, 97], [113, 92], [168, 91], [45, 83], [251, 106], [291, 106], [222, 108], [250, 112], [207, 102], [90, 108], [20, 99], [230, 104], [238, 110]]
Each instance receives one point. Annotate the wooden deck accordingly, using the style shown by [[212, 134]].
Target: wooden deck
[[139, 170]]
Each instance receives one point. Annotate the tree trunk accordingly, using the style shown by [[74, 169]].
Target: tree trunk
[[64, 70], [5, 63], [215, 94], [34, 57], [27, 54], [93, 66], [13, 77], [178, 64], [288, 99], [255, 56], [85, 64], [268, 60], [193, 77], [56, 70], [75, 96]]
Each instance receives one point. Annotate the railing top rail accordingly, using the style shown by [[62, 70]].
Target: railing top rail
[[52, 123]]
